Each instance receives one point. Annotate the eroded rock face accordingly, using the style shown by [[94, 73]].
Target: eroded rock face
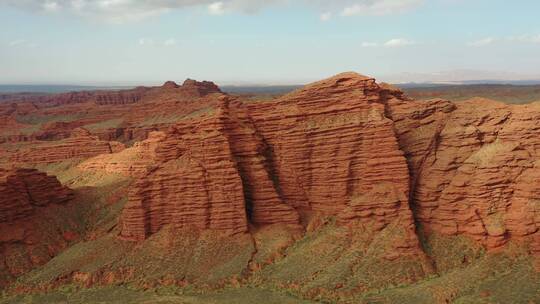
[[200, 88], [210, 172], [328, 148], [332, 143], [350, 148], [473, 167], [133, 161], [24, 195], [81, 144], [334, 152], [22, 190]]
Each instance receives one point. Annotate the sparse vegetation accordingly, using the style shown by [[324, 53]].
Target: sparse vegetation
[[37, 119], [104, 125], [505, 93]]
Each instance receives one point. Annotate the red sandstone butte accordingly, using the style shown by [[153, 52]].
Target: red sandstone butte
[[327, 148], [351, 148]]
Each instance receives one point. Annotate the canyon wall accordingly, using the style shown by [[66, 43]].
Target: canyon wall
[[474, 167], [374, 170]]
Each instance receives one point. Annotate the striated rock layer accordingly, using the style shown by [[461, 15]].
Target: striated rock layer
[[327, 148], [81, 144], [208, 169], [25, 195], [22, 190], [133, 161], [474, 167], [349, 166], [351, 148]]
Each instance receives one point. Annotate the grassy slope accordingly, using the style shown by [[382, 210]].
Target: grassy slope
[[123, 295], [329, 265]]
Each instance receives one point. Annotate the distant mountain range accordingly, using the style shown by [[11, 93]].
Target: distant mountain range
[[254, 89], [44, 88]]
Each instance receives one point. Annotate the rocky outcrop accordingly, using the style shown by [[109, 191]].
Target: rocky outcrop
[[211, 171], [23, 190], [134, 161], [81, 144], [473, 170], [29, 235], [310, 151], [98, 97], [363, 152], [357, 161], [200, 88], [334, 151], [196, 185]]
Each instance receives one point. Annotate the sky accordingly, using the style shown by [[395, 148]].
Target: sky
[[128, 42]]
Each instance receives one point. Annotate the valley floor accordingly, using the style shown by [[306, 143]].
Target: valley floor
[[127, 296]]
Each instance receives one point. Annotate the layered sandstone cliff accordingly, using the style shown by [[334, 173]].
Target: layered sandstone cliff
[[133, 161], [23, 190], [328, 149], [473, 167], [26, 238], [210, 172], [81, 144], [350, 148]]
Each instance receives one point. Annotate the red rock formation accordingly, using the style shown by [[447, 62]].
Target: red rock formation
[[170, 85], [473, 170], [209, 168], [197, 185], [198, 88], [335, 152], [81, 144], [344, 147], [313, 150], [134, 161], [24, 195], [22, 190]]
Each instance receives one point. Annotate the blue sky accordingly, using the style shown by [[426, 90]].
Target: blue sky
[[266, 42]]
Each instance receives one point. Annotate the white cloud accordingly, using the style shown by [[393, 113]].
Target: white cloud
[[216, 8], [169, 42], [158, 43], [325, 16], [78, 5], [120, 11], [380, 7], [398, 42], [51, 6], [483, 42], [146, 41], [369, 44]]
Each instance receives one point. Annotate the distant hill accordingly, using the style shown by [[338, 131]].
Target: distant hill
[[501, 92], [23, 88], [517, 92]]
